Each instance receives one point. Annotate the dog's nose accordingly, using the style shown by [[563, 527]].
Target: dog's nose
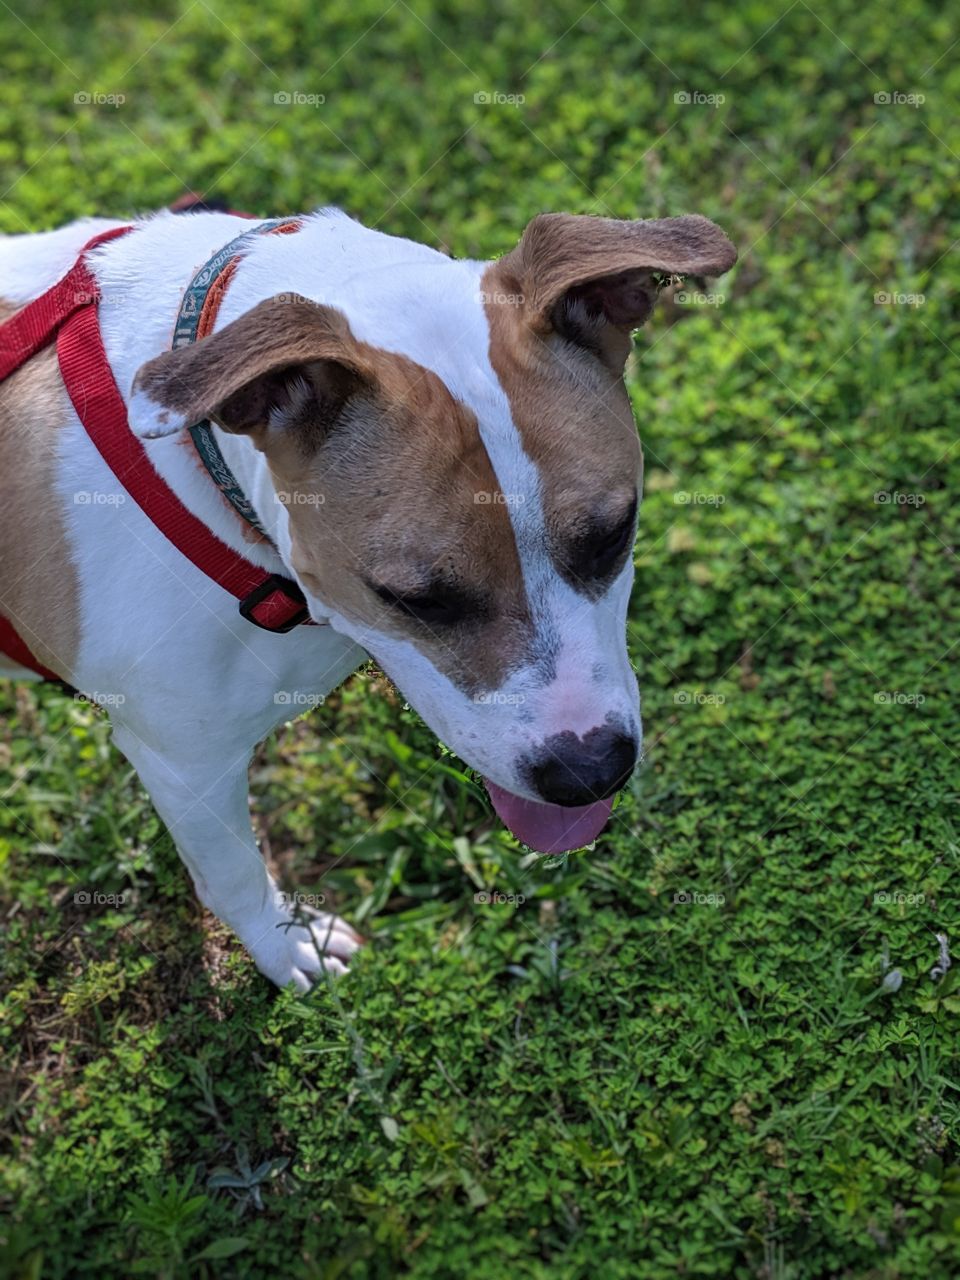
[[572, 771]]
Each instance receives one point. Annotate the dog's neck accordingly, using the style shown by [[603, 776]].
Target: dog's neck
[[253, 476]]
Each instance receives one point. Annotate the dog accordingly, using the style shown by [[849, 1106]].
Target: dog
[[400, 454]]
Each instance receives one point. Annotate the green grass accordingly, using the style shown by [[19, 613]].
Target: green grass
[[604, 1080]]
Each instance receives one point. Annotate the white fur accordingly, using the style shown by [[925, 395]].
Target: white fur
[[191, 687]]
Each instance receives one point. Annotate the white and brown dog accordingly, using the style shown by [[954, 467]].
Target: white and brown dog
[[440, 453]]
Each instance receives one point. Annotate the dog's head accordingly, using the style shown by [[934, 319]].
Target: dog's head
[[456, 457]]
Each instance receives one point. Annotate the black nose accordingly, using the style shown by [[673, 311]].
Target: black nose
[[573, 771]]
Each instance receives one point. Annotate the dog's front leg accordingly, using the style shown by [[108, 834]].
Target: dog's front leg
[[204, 804]]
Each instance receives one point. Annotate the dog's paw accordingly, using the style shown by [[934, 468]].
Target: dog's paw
[[287, 950]]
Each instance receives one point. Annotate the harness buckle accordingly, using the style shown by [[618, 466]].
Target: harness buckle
[[273, 585]]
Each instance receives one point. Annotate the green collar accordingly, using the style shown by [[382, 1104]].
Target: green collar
[[185, 332]]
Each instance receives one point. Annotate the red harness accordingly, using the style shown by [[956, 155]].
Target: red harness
[[68, 312]]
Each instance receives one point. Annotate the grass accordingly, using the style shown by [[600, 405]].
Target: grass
[[711, 1045]]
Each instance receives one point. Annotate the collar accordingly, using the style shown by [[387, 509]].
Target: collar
[[198, 314]]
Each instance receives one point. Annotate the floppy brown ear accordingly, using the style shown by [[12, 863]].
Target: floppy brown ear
[[605, 267], [284, 360]]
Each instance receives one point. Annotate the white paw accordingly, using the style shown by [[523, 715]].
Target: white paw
[[286, 951]]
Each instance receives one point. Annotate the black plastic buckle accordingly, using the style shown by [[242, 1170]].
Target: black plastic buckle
[[266, 588]]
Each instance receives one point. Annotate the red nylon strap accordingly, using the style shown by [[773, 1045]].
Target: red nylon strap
[[21, 337], [99, 405], [68, 311], [34, 325], [13, 647]]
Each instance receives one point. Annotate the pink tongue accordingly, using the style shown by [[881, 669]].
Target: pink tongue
[[549, 828]]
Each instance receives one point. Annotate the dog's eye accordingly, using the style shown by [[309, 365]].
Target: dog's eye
[[441, 607], [614, 541], [599, 552]]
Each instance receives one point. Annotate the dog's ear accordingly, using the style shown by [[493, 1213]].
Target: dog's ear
[[287, 362], [576, 274]]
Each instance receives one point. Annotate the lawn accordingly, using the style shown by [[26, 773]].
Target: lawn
[[720, 1042]]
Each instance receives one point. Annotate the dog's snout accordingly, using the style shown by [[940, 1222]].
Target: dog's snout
[[571, 771]]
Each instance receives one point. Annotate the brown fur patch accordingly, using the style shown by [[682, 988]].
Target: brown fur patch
[[574, 418], [560, 307], [380, 471], [390, 497], [39, 591], [560, 251]]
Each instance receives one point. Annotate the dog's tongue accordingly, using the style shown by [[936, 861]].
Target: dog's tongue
[[549, 828]]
